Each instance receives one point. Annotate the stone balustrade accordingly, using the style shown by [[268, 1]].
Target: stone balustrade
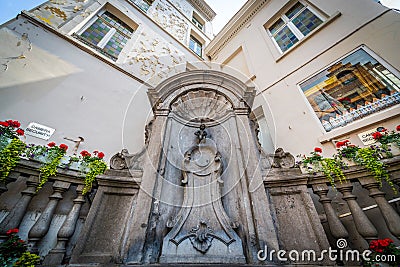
[[358, 210], [48, 218], [62, 225]]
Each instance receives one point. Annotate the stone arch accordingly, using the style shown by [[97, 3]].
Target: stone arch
[[238, 93]]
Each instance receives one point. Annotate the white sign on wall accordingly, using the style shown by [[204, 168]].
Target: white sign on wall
[[39, 131], [367, 138]]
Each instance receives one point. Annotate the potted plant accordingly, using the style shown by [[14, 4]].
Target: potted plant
[[95, 165], [384, 253], [331, 167], [368, 157], [390, 141], [10, 146], [14, 252], [50, 156]]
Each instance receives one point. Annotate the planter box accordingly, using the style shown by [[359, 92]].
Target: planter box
[[4, 142], [78, 166], [394, 149]]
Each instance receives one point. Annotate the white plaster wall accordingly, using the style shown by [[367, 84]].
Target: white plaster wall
[[58, 85], [297, 128], [48, 80]]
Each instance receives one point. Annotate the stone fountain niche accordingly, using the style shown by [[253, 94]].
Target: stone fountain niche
[[202, 190]]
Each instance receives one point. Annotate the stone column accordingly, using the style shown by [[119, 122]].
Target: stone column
[[139, 222], [335, 225], [253, 187], [16, 215], [389, 214], [42, 225], [57, 254], [364, 226]]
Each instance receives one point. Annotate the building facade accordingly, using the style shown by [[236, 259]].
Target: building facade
[[124, 49], [200, 131], [325, 72]]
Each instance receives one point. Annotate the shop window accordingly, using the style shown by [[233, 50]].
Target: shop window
[[352, 88]]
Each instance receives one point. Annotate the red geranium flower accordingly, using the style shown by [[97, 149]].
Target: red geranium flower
[[100, 155], [339, 144], [318, 150], [51, 144], [398, 128], [12, 231], [377, 135], [20, 132], [4, 123], [14, 124], [63, 147], [84, 153]]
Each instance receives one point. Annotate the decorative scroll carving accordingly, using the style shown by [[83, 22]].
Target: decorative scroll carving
[[201, 236], [147, 131], [123, 160], [282, 159]]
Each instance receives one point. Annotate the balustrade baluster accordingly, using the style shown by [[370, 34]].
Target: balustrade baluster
[[389, 214], [364, 226], [14, 218], [56, 255], [335, 225], [41, 227]]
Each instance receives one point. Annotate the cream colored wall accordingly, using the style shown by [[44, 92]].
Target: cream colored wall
[[297, 128]]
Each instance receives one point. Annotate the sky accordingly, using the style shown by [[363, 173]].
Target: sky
[[225, 9]]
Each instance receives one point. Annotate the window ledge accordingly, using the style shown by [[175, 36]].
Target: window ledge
[[320, 27], [357, 125]]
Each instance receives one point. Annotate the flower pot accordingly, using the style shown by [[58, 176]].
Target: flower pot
[[348, 162], [78, 166], [64, 162], [307, 169], [394, 149], [42, 158], [4, 142]]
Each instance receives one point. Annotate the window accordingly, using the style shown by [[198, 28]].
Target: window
[[107, 34], [143, 4], [350, 89], [197, 21], [195, 45], [294, 25]]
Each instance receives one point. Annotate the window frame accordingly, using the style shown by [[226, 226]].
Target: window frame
[[292, 27], [197, 21], [371, 118], [141, 7], [197, 42], [108, 36]]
